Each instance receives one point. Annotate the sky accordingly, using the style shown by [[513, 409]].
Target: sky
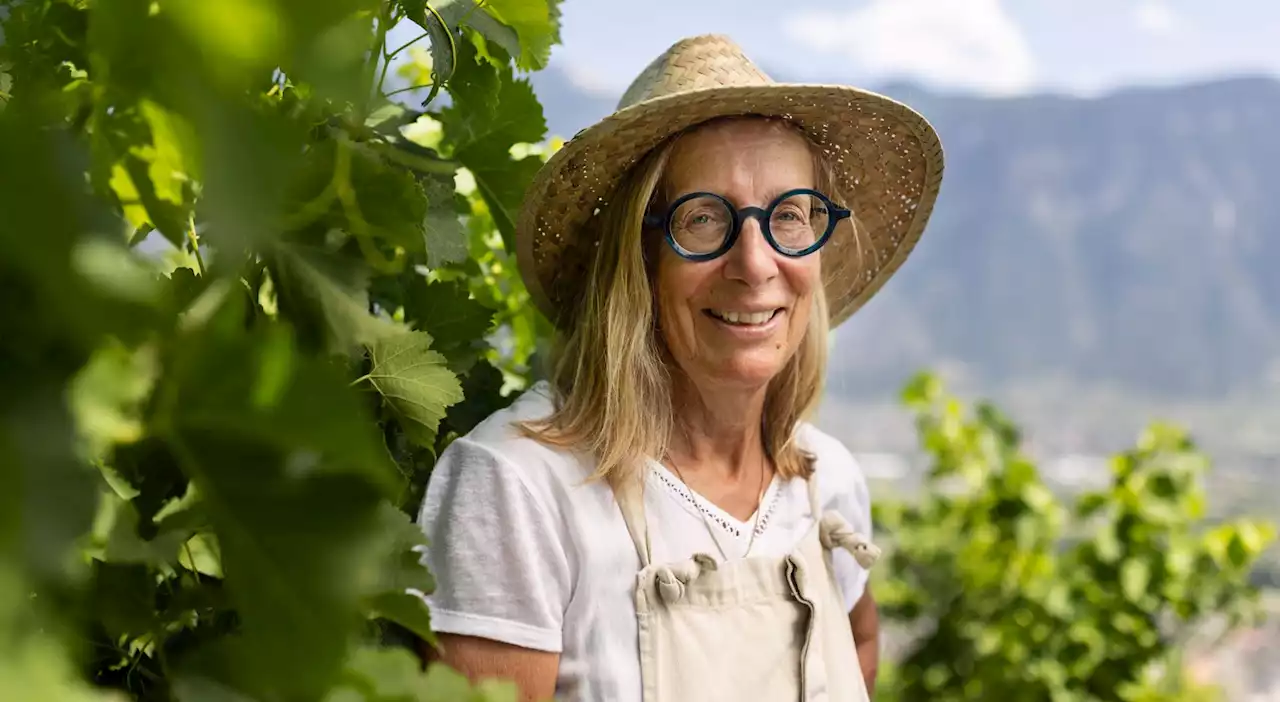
[[991, 47]]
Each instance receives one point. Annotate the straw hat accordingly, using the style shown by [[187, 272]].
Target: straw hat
[[887, 161]]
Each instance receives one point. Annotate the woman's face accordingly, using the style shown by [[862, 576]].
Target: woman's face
[[749, 162]]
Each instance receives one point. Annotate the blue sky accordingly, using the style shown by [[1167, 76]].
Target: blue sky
[[983, 46]]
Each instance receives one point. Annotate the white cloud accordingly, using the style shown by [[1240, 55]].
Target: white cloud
[[968, 44], [593, 78], [1155, 17]]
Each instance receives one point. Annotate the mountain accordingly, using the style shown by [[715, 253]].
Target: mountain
[[1130, 241]]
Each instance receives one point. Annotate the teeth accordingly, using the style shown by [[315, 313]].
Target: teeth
[[746, 318]]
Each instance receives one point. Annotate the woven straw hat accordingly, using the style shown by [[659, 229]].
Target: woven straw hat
[[886, 157]]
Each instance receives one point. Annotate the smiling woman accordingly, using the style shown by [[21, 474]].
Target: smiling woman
[[658, 522]]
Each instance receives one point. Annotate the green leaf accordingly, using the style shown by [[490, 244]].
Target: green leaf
[[173, 154], [326, 296], [389, 117], [535, 23], [124, 543], [442, 38], [33, 663], [445, 234], [444, 684], [259, 390], [401, 579], [456, 322], [503, 186], [486, 28], [124, 598], [107, 395], [482, 396], [414, 382], [391, 200], [1135, 576], [490, 121], [492, 112]]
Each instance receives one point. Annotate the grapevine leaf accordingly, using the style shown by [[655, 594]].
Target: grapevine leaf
[[33, 666], [395, 674], [486, 28], [444, 684], [482, 131], [482, 396], [443, 40], [259, 388], [414, 381], [389, 118], [172, 155], [502, 183], [150, 468], [391, 200], [326, 296], [194, 688], [535, 23], [382, 674], [457, 323], [106, 396], [291, 471], [445, 234], [124, 544], [402, 579], [492, 109], [124, 598]]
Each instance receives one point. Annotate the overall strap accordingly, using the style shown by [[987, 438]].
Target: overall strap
[[835, 532], [630, 497]]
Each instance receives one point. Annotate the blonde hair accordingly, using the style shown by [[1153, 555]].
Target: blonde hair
[[611, 369]]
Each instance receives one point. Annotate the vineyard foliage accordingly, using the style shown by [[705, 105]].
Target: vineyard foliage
[[1016, 593], [249, 292]]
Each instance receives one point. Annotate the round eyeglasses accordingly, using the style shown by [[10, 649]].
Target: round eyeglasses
[[701, 226]]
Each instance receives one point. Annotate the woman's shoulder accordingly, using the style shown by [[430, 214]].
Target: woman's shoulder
[[499, 438], [501, 428], [837, 471]]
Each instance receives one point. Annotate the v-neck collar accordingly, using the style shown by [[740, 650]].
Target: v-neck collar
[[698, 506]]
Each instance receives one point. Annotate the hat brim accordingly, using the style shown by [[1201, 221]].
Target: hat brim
[[887, 158]]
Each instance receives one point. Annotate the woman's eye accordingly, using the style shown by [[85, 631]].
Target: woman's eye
[[702, 219]]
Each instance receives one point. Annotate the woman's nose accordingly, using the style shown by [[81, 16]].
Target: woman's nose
[[751, 260]]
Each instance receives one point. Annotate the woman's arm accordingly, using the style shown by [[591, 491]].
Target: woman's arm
[[864, 618], [533, 672], [503, 573]]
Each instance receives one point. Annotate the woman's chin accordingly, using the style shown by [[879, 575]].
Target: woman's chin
[[746, 372]]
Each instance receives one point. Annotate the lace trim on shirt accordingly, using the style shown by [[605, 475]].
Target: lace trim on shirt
[[679, 488]]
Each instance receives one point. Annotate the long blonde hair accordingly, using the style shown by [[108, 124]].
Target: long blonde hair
[[611, 370]]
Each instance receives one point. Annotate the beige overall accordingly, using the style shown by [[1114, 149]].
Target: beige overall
[[767, 629]]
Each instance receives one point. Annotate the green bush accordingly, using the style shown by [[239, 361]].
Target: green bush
[[1015, 594], [247, 299]]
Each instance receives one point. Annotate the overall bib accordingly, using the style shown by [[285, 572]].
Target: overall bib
[[758, 629]]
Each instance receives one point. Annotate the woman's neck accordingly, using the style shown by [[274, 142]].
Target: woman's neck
[[718, 430]]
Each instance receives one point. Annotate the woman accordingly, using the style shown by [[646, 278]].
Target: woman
[[658, 523]]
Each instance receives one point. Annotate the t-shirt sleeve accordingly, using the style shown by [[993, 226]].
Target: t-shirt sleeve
[[849, 495], [497, 555]]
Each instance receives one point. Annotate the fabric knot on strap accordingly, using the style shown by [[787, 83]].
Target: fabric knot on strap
[[836, 532], [672, 579]]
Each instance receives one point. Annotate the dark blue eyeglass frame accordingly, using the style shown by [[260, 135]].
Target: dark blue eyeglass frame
[[835, 214]]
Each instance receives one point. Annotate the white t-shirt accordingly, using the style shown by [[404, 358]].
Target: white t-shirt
[[525, 551]]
